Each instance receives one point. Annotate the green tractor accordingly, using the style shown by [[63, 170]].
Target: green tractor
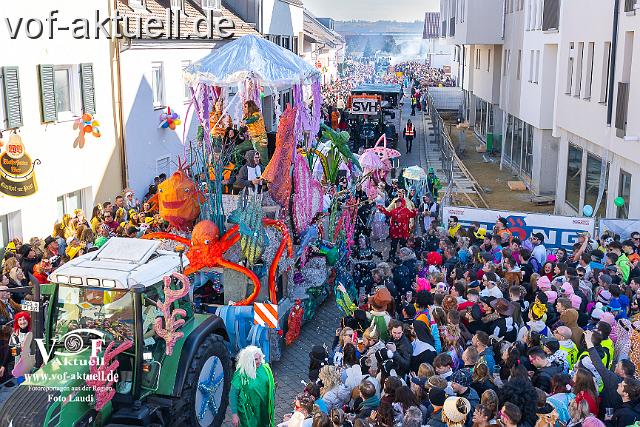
[[103, 361]]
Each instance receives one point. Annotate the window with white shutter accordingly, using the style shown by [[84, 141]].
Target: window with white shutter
[[48, 107], [87, 89], [12, 100]]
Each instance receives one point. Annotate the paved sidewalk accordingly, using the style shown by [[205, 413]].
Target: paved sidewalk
[[294, 364], [418, 155]]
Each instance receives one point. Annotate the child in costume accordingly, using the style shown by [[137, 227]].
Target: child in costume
[[20, 339]]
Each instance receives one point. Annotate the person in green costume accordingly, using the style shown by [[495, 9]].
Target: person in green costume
[[252, 397]]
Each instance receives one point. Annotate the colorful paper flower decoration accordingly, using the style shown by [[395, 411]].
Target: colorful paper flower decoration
[[170, 119]]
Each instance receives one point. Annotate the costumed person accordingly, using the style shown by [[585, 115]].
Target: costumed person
[[433, 183], [379, 226], [219, 122], [254, 123], [21, 340], [400, 221], [252, 397], [250, 174], [227, 171], [409, 133], [379, 314], [335, 118]]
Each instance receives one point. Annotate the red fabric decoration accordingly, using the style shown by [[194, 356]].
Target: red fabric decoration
[[284, 243]]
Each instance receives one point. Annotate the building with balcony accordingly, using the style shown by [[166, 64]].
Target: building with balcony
[[476, 30], [469, 22], [529, 67], [597, 113], [555, 87]]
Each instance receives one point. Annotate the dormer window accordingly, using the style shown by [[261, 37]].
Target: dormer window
[[136, 4], [211, 4]]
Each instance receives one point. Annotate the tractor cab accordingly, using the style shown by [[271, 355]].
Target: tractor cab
[[102, 358]]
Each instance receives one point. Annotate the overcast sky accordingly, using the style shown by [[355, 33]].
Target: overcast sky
[[372, 10]]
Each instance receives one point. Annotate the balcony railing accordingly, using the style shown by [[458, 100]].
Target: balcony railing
[[452, 27], [622, 108], [444, 29], [629, 5], [551, 15]]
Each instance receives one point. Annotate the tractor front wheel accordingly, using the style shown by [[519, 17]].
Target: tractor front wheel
[[205, 394]]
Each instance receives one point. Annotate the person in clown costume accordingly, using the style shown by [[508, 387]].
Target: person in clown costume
[[400, 216]]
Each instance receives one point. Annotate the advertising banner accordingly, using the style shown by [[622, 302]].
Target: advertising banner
[[364, 104], [559, 231]]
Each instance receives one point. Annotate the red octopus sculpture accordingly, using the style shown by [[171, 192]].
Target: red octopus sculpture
[[206, 249]]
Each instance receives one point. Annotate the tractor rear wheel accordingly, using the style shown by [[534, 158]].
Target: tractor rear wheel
[[205, 394]]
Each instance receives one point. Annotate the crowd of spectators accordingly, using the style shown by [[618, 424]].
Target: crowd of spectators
[[474, 327], [73, 235], [354, 73]]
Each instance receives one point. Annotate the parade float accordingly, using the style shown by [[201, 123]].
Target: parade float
[[267, 287], [130, 337]]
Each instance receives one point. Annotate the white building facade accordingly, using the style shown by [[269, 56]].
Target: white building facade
[[598, 110], [153, 83], [322, 46], [540, 84], [47, 84]]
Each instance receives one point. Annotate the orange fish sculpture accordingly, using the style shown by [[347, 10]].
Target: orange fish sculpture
[[178, 200]]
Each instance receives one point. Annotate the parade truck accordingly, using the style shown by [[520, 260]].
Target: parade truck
[[122, 346]]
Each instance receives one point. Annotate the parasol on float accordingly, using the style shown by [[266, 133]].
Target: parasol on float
[[250, 57], [371, 161], [382, 151], [414, 173]]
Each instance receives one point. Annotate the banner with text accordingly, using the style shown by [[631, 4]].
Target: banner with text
[[558, 231], [365, 104]]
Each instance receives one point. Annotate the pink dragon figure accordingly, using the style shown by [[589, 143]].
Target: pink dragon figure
[[170, 333], [377, 170], [102, 387]]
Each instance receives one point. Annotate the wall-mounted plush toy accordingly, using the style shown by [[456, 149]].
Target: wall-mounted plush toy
[[86, 124], [170, 119]]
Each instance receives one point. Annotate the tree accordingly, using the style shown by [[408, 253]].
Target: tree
[[368, 50]]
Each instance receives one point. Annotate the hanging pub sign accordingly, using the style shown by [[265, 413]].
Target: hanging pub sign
[[17, 177]]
